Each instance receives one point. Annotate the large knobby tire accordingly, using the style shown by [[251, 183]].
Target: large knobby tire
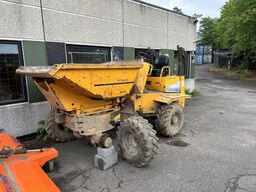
[[170, 120], [56, 131], [137, 141]]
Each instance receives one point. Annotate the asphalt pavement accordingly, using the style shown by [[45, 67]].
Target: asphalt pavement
[[216, 151]]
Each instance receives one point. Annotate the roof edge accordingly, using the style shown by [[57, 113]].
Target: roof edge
[[159, 7]]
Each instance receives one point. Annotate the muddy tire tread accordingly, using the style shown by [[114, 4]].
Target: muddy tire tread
[[147, 136], [163, 119], [53, 130]]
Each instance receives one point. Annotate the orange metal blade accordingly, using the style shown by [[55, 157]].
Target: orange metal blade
[[23, 172]]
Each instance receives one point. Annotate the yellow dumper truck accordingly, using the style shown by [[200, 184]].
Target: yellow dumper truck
[[89, 99]]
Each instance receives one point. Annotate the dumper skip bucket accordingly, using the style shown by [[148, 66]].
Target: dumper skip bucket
[[97, 81]]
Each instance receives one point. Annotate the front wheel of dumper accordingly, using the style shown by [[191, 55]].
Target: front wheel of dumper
[[57, 131], [137, 141], [170, 120]]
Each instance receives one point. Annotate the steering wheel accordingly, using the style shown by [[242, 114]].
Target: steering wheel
[[143, 55]]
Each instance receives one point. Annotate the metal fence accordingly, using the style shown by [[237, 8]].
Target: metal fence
[[223, 58]]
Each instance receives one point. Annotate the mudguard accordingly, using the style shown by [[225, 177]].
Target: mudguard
[[23, 172]]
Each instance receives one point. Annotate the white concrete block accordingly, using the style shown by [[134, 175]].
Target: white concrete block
[[190, 85], [104, 163], [104, 152]]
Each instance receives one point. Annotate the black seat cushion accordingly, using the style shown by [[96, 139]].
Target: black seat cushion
[[160, 62]]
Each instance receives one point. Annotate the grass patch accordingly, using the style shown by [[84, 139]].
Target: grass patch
[[216, 69], [248, 75], [41, 132], [195, 93]]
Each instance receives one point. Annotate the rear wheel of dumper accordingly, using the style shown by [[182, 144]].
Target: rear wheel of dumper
[[137, 141], [170, 120], [57, 131]]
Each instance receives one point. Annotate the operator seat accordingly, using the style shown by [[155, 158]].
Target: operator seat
[[160, 62]]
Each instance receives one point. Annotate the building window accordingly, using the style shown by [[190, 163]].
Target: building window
[[88, 54], [145, 52], [149, 55], [12, 86]]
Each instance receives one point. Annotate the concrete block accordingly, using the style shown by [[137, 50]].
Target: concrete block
[[190, 85], [108, 159], [105, 152]]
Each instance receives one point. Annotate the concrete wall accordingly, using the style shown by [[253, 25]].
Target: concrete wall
[[97, 22], [20, 20], [86, 22], [181, 31], [144, 26], [22, 119]]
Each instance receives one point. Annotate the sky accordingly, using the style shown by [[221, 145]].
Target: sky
[[209, 8]]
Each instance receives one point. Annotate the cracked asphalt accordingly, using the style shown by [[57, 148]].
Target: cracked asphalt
[[219, 154]]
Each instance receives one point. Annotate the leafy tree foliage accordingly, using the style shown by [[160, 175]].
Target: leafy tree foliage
[[177, 9], [235, 30], [207, 32]]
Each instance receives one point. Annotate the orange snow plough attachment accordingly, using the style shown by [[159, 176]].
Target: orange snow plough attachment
[[20, 169]]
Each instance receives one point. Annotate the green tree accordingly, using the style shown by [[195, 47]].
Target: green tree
[[207, 32], [236, 30]]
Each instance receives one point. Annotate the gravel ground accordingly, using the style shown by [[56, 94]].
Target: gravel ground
[[216, 151]]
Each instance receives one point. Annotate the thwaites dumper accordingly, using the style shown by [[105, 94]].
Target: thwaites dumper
[[20, 169], [88, 99]]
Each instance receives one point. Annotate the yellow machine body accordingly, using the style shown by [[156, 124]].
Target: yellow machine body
[[106, 81], [83, 90], [160, 90], [148, 103], [166, 82], [90, 99], [86, 88]]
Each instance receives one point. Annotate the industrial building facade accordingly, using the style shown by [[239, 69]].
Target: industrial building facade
[[45, 32]]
